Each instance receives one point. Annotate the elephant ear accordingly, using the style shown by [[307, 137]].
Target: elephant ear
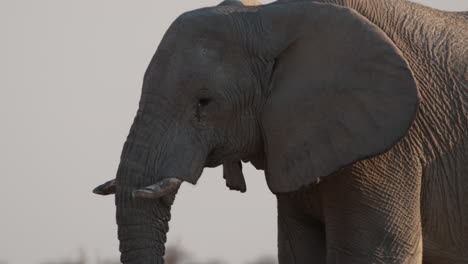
[[340, 92]]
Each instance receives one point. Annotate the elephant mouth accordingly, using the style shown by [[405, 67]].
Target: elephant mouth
[[215, 158], [218, 157], [212, 163]]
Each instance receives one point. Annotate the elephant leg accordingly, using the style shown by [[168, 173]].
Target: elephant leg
[[372, 212], [301, 239]]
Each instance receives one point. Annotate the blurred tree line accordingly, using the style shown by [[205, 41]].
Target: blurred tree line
[[174, 255]]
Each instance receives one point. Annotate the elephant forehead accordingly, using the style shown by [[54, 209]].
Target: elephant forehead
[[185, 73], [207, 27], [180, 62], [198, 23]]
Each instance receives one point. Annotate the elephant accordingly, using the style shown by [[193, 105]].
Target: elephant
[[356, 111]]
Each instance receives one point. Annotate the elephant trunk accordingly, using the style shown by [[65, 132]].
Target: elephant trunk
[[142, 228], [142, 224]]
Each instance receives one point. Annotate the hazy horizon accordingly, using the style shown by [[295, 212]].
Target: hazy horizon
[[71, 74]]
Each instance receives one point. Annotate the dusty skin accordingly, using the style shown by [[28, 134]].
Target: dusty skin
[[355, 109]]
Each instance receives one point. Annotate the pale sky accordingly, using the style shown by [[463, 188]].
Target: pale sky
[[70, 79]]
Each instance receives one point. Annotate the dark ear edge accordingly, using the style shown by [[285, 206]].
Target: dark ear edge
[[240, 3], [341, 92]]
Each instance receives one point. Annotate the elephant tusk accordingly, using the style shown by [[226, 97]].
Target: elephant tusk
[[106, 188], [158, 190]]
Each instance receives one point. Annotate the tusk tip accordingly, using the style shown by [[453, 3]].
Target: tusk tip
[[97, 191], [106, 188]]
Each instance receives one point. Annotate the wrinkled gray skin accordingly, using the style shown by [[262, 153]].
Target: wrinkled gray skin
[[356, 111]]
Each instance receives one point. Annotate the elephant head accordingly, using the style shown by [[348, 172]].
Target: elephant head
[[299, 89]]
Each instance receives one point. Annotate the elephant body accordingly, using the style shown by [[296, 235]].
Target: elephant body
[[432, 157], [357, 110]]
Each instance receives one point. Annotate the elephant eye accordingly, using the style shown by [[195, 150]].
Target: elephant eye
[[204, 101]]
